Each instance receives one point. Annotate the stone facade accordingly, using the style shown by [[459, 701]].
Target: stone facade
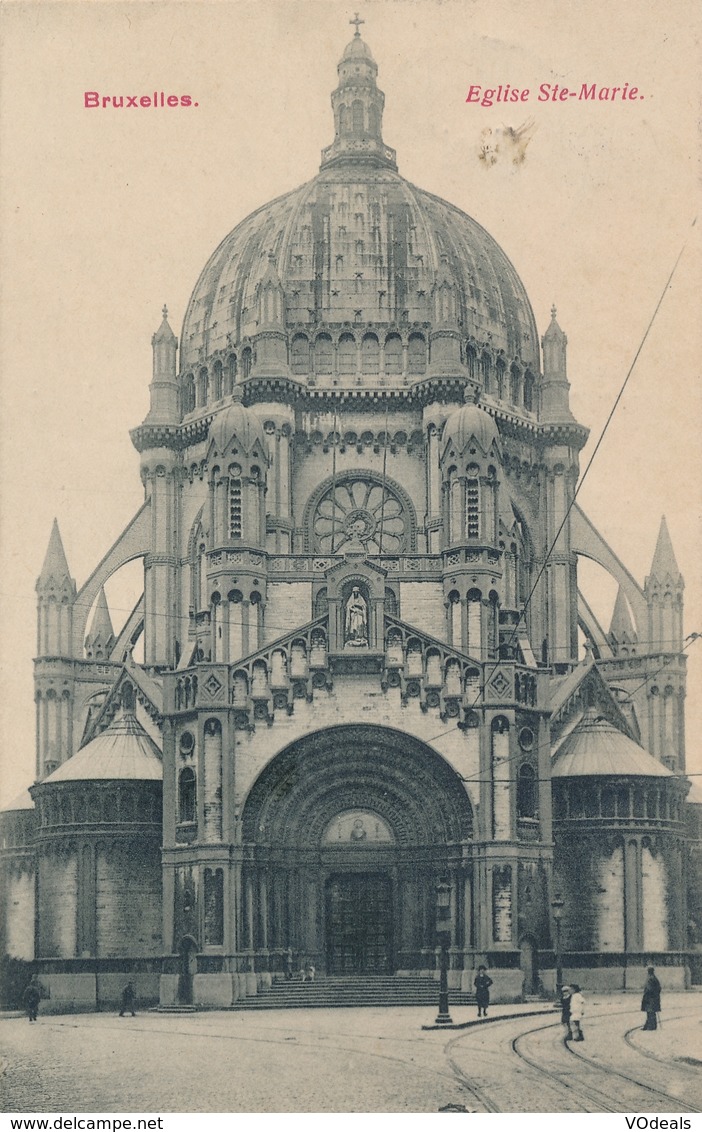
[[360, 622]]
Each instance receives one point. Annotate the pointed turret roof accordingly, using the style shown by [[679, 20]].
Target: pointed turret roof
[[622, 625], [164, 332], [554, 330], [55, 563], [664, 563], [596, 747], [101, 624]]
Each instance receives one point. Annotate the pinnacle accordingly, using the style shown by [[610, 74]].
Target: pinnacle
[[621, 624], [664, 562], [55, 563], [101, 624]]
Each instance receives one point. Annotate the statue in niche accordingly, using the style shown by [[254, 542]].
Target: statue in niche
[[356, 619]]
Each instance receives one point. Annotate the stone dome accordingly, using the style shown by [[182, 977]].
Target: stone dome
[[359, 245], [597, 748], [121, 752], [237, 421], [470, 422]]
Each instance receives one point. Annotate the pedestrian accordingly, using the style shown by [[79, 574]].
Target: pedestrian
[[577, 1010], [651, 1001], [482, 983], [128, 1000], [32, 998], [289, 964], [566, 993], [310, 972]]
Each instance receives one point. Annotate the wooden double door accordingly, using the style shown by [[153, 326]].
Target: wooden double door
[[359, 924]]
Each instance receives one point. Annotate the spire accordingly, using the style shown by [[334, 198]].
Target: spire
[[101, 635], [664, 564], [55, 566], [164, 332], [358, 109], [621, 629]]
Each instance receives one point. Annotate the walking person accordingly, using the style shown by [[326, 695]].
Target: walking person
[[289, 964], [651, 1000], [482, 983], [128, 1000], [31, 999], [577, 1010], [566, 994]]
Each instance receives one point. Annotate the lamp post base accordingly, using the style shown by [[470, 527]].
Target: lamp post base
[[443, 1020]]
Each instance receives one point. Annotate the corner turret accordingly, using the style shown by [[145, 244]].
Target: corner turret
[[164, 385], [555, 388]]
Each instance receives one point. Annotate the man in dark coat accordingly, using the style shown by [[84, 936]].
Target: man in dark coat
[[482, 983], [32, 998], [128, 1000], [566, 993], [651, 1000]]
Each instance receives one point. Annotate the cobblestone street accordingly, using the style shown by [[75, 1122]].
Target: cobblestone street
[[355, 1060]]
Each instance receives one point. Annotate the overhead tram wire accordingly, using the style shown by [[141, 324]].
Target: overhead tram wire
[[481, 691]]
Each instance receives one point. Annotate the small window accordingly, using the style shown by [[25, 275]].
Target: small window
[[526, 792], [187, 795], [473, 509]]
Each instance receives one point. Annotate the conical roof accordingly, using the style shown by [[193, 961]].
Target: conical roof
[[621, 625], [55, 563], [23, 801], [597, 748], [164, 332], [123, 751], [101, 624], [664, 562]]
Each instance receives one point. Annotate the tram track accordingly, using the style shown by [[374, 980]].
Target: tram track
[[595, 1097]]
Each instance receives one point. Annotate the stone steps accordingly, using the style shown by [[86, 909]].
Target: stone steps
[[352, 991]]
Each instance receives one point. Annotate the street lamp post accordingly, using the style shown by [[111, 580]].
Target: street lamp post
[[557, 905], [443, 932]]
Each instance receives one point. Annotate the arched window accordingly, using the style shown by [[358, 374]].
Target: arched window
[[217, 382], [300, 355], [370, 353], [202, 387], [526, 792], [187, 795], [515, 385], [486, 370], [393, 354], [246, 359], [529, 391], [373, 121], [347, 355], [500, 377], [323, 354], [471, 363], [189, 394], [357, 114], [344, 120], [231, 373], [417, 354]]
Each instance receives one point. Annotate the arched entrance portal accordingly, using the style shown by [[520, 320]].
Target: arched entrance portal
[[346, 835]]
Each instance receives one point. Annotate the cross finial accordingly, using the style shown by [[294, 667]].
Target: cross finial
[[357, 23], [164, 312]]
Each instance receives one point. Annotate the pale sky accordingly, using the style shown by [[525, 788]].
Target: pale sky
[[108, 214]]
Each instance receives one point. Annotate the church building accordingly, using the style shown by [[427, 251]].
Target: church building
[[361, 732]]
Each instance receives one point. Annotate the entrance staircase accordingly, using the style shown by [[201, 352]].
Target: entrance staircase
[[352, 990]]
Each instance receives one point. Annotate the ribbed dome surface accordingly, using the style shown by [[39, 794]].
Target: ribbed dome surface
[[596, 747], [240, 422], [358, 245], [468, 423], [122, 751]]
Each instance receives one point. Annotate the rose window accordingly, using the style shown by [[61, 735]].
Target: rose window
[[359, 511]]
